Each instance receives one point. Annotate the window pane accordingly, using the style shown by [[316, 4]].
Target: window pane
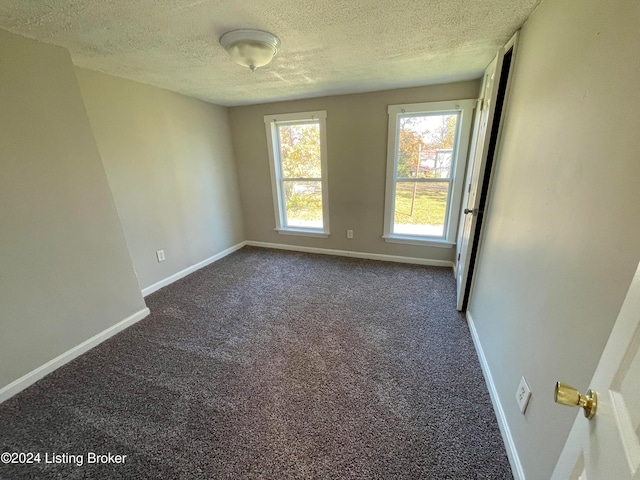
[[300, 150], [303, 204], [425, 146], [420, 208]]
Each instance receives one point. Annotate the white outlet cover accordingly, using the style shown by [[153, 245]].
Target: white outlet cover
[[523, 395], [160, 255]]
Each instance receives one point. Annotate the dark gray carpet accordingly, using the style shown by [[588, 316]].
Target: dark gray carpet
[[274, 365]]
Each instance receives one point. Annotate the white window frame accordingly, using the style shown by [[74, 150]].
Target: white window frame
[[271, 125], [459, 160]]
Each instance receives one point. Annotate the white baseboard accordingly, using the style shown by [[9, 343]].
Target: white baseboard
[[347, 253], [512, 453], [32, 377], [183, 273]]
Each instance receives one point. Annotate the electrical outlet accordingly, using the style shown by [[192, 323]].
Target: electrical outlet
[[349, 233], [523, 394], [160, 255]]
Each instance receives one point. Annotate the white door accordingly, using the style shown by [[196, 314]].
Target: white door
[[608, 446], [475, 172]]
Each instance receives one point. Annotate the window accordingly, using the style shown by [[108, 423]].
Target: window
[[297, 153], [426, 156]]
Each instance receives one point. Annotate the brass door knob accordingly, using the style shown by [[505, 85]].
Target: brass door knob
[[569, 396]]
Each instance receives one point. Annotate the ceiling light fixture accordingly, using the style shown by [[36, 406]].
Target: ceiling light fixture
[[250, 48]]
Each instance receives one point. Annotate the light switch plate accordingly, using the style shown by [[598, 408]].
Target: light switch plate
[[523, 394]]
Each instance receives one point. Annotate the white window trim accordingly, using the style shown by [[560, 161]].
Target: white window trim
[[465, 107], [271, 122]]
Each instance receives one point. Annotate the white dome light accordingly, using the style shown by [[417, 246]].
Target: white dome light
[[250, 48]]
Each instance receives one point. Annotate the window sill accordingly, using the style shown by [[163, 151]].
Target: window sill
[[423, 242], [302, 232]]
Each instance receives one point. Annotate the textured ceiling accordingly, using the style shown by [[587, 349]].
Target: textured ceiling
[[328, 46]]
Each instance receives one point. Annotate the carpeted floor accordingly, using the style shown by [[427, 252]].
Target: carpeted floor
[[273, 365]]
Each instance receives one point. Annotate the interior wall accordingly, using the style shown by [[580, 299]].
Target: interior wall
[[66, 274], [560, 242], [357, 159], [170, 165]]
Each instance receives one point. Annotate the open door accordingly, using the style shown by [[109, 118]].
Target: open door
[[608, 445], [477, 160], [483, 149]]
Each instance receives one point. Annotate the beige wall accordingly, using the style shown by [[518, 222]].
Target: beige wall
[[357, 157], [561, 241], [170, 165], [65, 273]]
